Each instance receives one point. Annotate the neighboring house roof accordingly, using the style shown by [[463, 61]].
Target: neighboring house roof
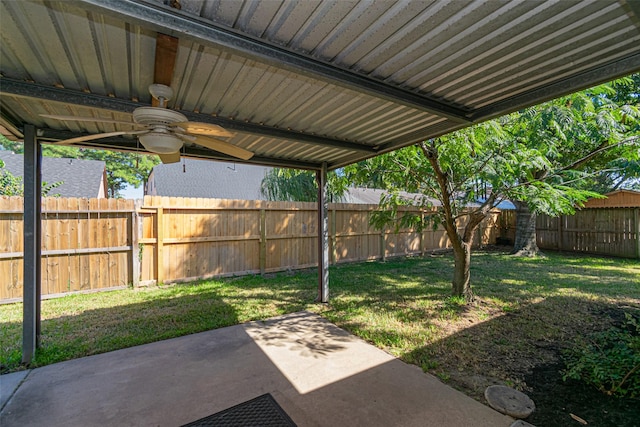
[[222, 180], [80, 178], [371, 196], [208, 179], [504, 205], [616, 199]]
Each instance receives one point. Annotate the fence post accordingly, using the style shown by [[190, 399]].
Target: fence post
[[383, 245], [560, 231], [421, 232], [334, 252], [159, 245], [263, 241], [135, 247], [637, 223], [479, 235]]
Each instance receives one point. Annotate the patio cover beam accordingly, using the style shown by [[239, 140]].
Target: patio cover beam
[[120, 143], [575, 83], [32, 245], [68, 96], [179, 24]]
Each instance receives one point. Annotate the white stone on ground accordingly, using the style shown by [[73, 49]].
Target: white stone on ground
[[509, 401]]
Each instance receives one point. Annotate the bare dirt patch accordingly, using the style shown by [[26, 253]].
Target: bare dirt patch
[[474, 358]]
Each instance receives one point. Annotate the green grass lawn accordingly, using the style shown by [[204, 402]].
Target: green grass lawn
[[524, 310]]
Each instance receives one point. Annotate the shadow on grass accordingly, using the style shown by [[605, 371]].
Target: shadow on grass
[[528, 310], [100, 330], [182, 309]]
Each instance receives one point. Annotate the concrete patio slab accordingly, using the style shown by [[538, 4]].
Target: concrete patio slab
[[318, 373], [8, 384]]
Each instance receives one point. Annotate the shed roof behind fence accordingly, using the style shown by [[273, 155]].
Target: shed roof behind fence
[[616, 199]]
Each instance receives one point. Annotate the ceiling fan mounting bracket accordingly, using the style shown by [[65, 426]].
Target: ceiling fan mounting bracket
[[161, 92]]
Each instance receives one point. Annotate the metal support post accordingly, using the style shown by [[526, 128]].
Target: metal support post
[[323, 236], [32, 244]]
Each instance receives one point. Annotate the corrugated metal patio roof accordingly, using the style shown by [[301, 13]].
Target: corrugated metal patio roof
[[302, 83]]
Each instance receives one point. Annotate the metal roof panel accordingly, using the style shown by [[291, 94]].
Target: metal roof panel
[[308, 82]]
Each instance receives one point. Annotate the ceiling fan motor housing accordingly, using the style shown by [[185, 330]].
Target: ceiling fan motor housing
[[161, 142], [157, 116], [161, 139]]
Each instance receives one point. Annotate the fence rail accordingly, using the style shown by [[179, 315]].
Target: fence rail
[[105, 243]]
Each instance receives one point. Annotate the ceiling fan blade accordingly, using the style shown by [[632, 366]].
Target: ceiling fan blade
[[221, 146], [99, 136], [90, 119], [200, 128], [170, 158]]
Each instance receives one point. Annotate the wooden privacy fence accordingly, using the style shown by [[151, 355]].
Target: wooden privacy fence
[[610, 231], [202, 238], [86, 245], [106, 243]]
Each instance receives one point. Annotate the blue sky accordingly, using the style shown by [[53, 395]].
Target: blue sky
[[132, 193]]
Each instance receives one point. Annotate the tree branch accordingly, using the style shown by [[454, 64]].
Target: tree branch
[[449, 224], [602, 147], [587, 157]]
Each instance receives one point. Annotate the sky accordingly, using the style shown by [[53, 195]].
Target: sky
[[132, 193]]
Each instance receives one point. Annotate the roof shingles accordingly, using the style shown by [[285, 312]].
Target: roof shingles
[[79, 178], [207, 179]]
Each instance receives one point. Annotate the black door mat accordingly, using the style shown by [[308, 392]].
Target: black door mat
[[263, 411]]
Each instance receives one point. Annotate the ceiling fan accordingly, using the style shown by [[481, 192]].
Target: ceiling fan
[[163, 131]]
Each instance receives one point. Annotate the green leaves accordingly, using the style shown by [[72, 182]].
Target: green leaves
[[608, 360], [544, 157], [10, 185], [567, 141], [300, 186]]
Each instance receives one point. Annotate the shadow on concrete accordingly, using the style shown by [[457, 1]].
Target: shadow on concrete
[[318, 373], [305, 336]]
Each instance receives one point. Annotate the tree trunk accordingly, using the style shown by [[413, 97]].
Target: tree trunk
[[525, 241], [461, 273]]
